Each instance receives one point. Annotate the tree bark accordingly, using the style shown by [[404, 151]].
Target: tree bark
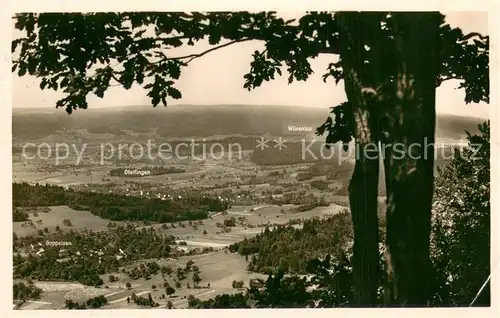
[[363, 188], [408, 147]]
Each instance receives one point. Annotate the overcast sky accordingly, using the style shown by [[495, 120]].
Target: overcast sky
[[217, 78]]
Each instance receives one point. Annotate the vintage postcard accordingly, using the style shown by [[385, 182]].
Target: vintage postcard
[[168, 157]]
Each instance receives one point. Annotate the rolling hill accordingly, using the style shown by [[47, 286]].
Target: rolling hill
[[194, 121]]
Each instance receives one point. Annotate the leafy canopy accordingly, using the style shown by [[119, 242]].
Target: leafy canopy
[[86, 53]]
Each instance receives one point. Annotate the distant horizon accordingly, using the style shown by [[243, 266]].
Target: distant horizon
[[151, 107], [217, 79]]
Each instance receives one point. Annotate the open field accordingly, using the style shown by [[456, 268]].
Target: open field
[[218, 269], [80, 220], [253, 218], [263, 188]]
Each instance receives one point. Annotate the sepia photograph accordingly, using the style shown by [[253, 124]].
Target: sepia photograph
[[250, 159]]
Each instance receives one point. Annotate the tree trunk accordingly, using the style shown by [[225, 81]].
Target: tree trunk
[[408, 147], [363, 188]]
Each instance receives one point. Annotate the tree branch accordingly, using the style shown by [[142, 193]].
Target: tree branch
[[473, 34], [116, 78], [329, 50], [448, 77], [198, 55]]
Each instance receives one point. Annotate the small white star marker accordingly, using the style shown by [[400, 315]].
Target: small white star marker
[[280, 143], [262, 143]]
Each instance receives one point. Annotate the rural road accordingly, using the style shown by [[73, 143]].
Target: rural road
[[114, 293], [125, 298], [199, 296], [39, 302]]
